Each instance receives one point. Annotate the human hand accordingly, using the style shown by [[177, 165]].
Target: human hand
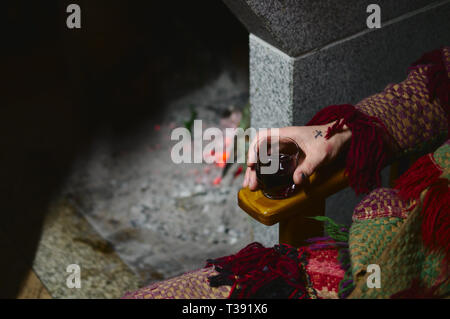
[[311, 139]]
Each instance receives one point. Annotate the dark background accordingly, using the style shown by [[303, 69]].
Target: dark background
[[60, 85]]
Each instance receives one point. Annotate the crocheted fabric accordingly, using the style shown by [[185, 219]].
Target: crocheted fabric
[[416, 110], [402, 260], [408, 239], [431, 173], [320, 276], [408, 112], [325, 272], [382, 202], [442, 159], [260, 272], [191, 285]]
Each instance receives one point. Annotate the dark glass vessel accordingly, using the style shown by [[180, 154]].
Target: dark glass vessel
[[279, 184]]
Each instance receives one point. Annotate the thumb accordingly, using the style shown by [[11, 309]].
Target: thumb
[[304, 170]]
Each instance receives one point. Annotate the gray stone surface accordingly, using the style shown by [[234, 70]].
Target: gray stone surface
[[67, 238], [266, 235], [163, 218], [289, 91], [271, 97], [271, 86], [298, 26], [358, 67], [286, 90]]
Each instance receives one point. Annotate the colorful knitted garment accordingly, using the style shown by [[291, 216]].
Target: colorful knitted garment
[[255, 271], [259, 272], [406, 232], [191, 285], [283, 271]]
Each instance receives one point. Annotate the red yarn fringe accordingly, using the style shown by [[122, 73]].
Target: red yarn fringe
[[436, 218], [438, 80], [255, 266], [366, 156], [422, 174]]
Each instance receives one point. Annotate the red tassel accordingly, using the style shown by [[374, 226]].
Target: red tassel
[[422, 174], [230, 267], [436, 218], [255, 266], [366, 156]]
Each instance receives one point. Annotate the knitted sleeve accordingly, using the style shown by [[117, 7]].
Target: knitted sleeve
[[403, 118]]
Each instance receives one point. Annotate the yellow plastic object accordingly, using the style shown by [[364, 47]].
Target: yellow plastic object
[[310, 197]]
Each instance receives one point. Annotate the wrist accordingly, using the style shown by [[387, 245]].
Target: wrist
[[345, 135], [338, 140]]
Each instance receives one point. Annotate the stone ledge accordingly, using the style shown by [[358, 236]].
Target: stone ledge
[[299, 26]]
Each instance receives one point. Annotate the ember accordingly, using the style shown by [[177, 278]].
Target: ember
[[238, 171], [221, 159]]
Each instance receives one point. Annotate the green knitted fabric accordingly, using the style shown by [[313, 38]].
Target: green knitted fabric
[[383, 235], [442, 158], [402, 261], [346, 285], [368, 239]]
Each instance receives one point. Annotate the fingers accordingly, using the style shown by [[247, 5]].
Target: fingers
[[250, 175], [253, 182], [304, 170], [250, 180], [246, 177], [251, 155]]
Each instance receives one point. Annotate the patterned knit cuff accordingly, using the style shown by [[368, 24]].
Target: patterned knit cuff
[[415, 111]]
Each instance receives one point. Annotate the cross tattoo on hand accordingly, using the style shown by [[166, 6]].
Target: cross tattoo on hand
[[318, 133]]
